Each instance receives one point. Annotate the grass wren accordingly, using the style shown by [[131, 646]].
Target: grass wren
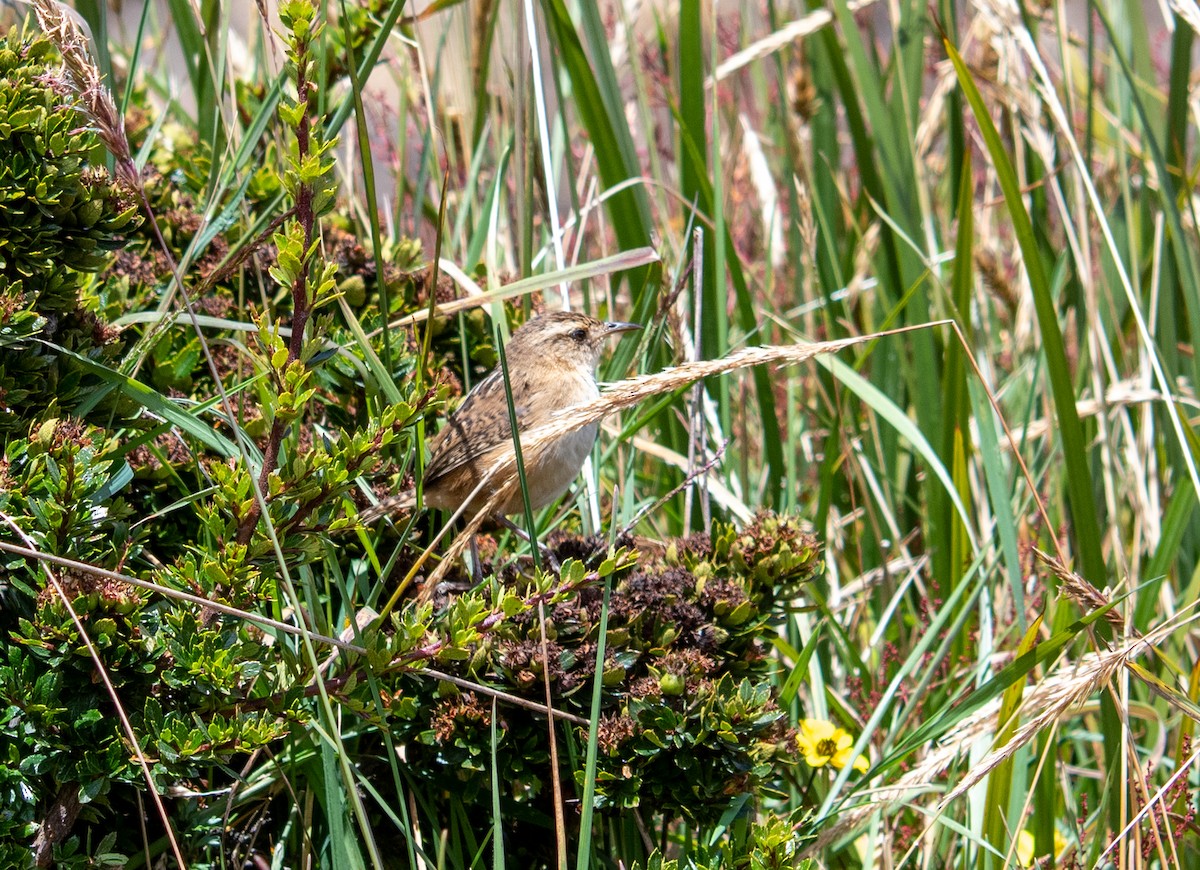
[[551, 365]]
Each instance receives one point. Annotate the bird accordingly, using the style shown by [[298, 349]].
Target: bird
[[552, 361]]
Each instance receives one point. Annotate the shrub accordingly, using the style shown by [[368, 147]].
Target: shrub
[[61, 215]]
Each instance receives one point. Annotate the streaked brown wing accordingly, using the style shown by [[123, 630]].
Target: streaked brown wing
[[479, 424]]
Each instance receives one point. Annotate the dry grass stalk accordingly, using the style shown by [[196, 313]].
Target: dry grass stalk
[[1117, 396], [83, 76], [785, 36], [1051, 700], [1080, 591], [633, 391], [1155, 804]]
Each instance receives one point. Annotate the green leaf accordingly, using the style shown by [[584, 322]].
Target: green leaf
[[155, 403], [1085, 520]]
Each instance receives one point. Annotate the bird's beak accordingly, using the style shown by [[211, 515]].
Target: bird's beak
[[612, 326]]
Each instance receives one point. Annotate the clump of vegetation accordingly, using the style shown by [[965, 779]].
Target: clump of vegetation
[[176, 672], [195, 686], [62, 217], [685, 678]]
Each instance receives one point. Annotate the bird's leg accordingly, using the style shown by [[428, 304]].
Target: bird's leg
[[476, 562], [524, 536]]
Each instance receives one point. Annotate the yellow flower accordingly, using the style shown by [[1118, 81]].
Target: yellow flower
[[824, 743], [1025, 847]]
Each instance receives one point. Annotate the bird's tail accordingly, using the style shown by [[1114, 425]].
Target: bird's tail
[[403, 501]]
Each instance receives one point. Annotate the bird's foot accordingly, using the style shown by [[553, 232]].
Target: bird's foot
[[476, 562]]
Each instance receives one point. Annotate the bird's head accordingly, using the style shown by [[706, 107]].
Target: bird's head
[[563, 338]]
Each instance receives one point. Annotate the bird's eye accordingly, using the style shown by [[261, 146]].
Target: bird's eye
[[579, 334]]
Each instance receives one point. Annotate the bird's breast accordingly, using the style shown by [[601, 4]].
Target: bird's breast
[[551, 467], [555, 466]]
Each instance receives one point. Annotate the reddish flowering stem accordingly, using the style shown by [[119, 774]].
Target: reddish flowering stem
[[301, 303]]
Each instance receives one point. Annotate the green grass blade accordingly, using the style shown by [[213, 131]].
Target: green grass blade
[[368, 174], [997, 825], [596, 34], [156, 403], [497, 816], [628, 209], [1079, 484], [904, 426], [584, 856]]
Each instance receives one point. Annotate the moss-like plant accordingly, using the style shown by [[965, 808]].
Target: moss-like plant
[[689, 718], [170, 664], [61, 216], [197, 685]]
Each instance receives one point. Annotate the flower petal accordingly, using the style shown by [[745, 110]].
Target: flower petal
[[1025, 846], [817, 729]]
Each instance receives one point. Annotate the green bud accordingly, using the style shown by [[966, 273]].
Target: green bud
[[354, 289], [671, 685]]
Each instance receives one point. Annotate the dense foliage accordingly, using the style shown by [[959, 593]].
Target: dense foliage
[[61, 217], [162, 497]]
